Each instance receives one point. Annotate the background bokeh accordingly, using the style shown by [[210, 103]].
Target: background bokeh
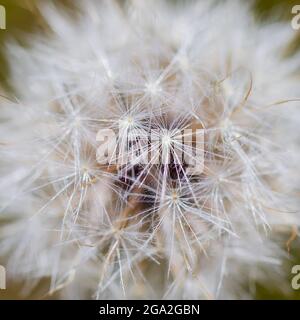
[[23, 20]]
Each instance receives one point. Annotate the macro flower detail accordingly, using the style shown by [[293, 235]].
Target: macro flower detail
[[151, 151]]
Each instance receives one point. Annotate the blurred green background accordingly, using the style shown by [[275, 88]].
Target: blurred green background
[[23, 19]]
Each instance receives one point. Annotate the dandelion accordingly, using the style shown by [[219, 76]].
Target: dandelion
[[166, 212]]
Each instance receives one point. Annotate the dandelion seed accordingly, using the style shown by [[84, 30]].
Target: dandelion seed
[[199, 182]]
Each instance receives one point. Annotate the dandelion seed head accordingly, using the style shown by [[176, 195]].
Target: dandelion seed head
[[154, 72]]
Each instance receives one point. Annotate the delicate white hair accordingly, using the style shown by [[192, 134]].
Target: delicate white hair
[[136, 232]]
